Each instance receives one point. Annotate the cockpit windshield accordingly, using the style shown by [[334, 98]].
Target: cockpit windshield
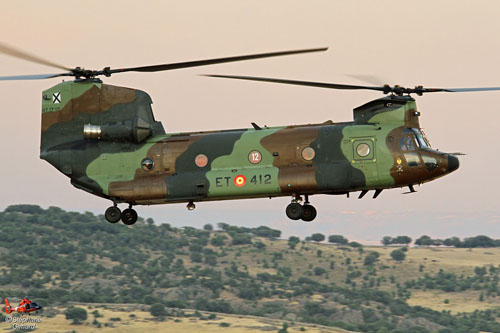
[[421, 138], [407, 142]]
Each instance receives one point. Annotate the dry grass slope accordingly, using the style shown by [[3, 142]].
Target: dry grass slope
[[133, 320]]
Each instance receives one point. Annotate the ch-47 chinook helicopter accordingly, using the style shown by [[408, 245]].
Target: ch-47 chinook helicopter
[[107, 141]]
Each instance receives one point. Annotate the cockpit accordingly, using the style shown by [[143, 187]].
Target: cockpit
[[412, 141]]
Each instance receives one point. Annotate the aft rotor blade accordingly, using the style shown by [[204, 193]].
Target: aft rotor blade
[[300, 83], [9, 50], [187, 64], [370, 79], [471, 89], [32, 77]]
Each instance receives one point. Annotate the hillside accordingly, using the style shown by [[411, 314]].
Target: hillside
[[59, 257], [136, 318]]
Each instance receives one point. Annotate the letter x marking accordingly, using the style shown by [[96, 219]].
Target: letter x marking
[[56, 98]]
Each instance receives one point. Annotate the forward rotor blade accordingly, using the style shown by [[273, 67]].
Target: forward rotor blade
[[9, 50], [300, 83], [178, 65], [32, 77], [398, 90]]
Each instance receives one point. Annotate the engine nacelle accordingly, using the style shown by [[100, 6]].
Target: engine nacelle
[[130, 131]]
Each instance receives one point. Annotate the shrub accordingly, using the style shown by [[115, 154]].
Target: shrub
[[398, 255], [196, 257], [158, 310], [371, 258], [240, 239], [319, 271], [77, 315]]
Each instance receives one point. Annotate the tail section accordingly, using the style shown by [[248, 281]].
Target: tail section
[[82, 120], [8, 309]]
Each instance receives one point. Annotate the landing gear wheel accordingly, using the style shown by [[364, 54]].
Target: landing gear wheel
[[294, 211], [308, 213], [129, 216], [112, 214]]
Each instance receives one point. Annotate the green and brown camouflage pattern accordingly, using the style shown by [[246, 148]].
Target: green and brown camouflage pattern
[[110, 166]]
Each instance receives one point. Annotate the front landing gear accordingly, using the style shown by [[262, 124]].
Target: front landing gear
[[113, 214], [129, 216], [295, 211]]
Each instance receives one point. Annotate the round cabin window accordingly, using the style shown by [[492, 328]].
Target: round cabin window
[[201, 160], [147, 164], [308, 153], [363, 150], [255, 157]]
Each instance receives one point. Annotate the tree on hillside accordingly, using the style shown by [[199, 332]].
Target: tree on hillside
[[222, 225], [401, 240], [479, 241], [337, 239], [437, 242], [387, 240], [208, 227], [218, 240], [293, 241], [25, 209], [424, 240], [318, 237], [453, 241], [264, 231]]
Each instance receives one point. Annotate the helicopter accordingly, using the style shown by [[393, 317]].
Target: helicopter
[[25, 306], [107, 141]]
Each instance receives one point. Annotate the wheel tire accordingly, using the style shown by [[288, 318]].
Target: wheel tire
[[294, 211], [309, 213], [113, 214], [129, 216]]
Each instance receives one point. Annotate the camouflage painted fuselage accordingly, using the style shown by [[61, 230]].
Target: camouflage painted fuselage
[[125, 155]]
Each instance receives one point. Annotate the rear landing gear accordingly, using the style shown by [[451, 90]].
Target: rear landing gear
[[309, 213], [294, 211], [113, 214], [306, 212]]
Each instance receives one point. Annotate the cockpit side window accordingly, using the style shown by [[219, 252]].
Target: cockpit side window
[[407, 143]]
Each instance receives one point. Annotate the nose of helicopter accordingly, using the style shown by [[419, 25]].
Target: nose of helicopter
[[453, 163]]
